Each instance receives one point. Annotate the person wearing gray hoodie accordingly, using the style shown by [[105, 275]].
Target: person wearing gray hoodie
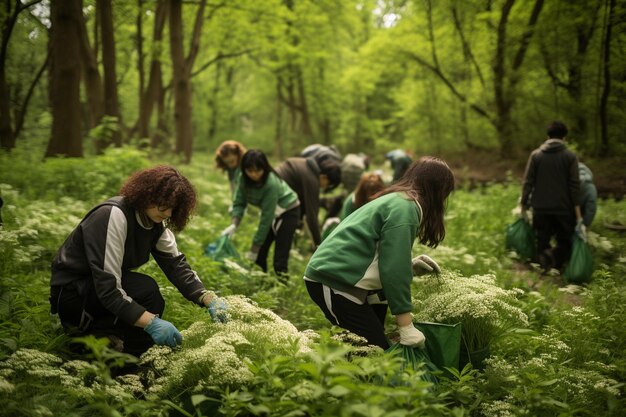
[[551, 187], [588, 194]]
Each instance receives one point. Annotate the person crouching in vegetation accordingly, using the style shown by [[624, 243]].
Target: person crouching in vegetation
[[280, 210], [94, 289], [365, 265], [228, 158], [368, 186]]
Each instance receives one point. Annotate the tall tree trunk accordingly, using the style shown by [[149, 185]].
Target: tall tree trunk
[[307, 131], [279, 152], [182, 91], [214, 100], [182, 72], [111, 101], [606, 91], [21, 114], [155, 78], [7, 139], [65, 139], [92, 79], [10, 14], [140, 52], [505, 82]]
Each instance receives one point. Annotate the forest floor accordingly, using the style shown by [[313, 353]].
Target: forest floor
[[480, 167]]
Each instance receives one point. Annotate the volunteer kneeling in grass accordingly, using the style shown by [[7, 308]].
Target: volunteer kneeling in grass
[[94, 288], [365, 264]]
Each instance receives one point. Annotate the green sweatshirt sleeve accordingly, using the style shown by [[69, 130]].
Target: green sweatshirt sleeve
[[269, 201], [240, 202], [394, 265]]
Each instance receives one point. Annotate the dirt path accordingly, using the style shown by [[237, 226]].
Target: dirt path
[[482, 167]]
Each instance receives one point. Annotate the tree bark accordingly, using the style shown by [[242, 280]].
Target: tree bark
[[111, 101], [504, 81], [182, 71], [606, 91], [279, 152], [21, 114], [11, 12], [154, 87], [92, 78], [65, 138]]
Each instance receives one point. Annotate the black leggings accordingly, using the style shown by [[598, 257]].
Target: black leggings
[[562, 227], [282, 231], [82, 313], [365, 320]]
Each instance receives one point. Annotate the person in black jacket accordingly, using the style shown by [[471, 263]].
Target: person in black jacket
[[551, 187], [94, 289], [306, 177]]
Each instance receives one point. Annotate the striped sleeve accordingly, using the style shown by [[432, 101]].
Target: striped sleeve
[[105, 234], [176, 268]]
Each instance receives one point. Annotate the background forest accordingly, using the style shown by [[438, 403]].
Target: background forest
[[433, 77]]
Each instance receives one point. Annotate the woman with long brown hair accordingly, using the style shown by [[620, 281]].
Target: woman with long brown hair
[[365, 265]]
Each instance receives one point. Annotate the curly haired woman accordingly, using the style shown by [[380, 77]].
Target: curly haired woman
[[94, 288]]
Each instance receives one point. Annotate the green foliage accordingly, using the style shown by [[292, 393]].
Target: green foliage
[[88, 180], [569, 360]]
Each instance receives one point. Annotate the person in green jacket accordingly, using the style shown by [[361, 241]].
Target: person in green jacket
[[365, 265], [588, 194], [228, 158], [260, 186], [368, 186]]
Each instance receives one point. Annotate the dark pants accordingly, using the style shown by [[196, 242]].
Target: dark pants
[[282, 231], [82, 313], [366, 320], [562, 227]]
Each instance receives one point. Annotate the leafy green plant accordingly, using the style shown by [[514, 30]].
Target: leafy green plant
[[484, 309]]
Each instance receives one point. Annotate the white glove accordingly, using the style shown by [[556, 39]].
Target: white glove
[[229, 231], [424, 264], [524, 215], [251, 256], [410, 336]]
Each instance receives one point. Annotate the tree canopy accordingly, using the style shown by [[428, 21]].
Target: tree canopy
[[179, 76]]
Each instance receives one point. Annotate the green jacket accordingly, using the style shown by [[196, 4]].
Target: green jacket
[[348, 206], [274, 197], [371, 250], [233, 178]]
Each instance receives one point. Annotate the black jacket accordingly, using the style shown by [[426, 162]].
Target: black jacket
[[302, 176], [551, 183], [112, 239]]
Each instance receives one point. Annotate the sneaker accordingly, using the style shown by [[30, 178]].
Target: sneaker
[[546, 261]]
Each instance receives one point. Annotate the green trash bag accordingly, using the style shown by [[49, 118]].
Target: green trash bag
[[580, 265], [220, 249], [443, 343], [520, 237], [416, 359]]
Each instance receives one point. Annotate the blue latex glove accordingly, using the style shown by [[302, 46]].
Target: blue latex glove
[[217, 309], [163, 332]]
